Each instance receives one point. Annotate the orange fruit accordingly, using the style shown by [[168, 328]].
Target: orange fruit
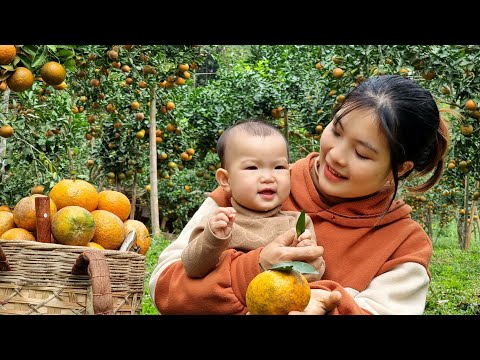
[[109, 229], [20, 80], [6, 131], [6, 221], [470, 105], [61, 86], [170, 105], [94, 245], [37, 189], [74, 193], [183, 67], [337, 73], [5, 208], [143, 236], [24, 214], [17, 234], [3, 86], [53, 73], [275, 292], [115, 202], [7, 54], [73, 225]]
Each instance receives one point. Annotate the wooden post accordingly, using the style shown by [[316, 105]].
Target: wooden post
[[42, 209]]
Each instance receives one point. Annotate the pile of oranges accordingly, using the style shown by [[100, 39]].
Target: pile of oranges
[[80, 216]]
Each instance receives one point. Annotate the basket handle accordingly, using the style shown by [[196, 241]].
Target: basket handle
[[94, 264], [4, 265]]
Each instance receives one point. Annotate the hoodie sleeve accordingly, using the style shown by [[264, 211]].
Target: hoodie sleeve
[[172, 253], [222, 291], [401, 290]]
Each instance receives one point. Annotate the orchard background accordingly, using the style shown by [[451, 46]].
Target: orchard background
[[144, 120]]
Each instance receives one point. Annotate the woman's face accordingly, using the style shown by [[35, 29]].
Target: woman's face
[[354, 157]]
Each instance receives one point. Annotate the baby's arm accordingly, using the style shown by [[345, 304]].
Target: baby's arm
[[221, 223], [207, 242]]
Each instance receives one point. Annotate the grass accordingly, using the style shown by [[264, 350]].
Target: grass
[[158, 244], [455, 286], [454, 290]]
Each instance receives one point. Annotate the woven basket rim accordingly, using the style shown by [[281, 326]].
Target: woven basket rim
[[52, 246]]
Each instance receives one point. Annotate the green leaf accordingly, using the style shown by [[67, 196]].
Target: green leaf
[[8, 67], [65, 53], [301, 224], [300, 266], [70, 64], [40, 58]]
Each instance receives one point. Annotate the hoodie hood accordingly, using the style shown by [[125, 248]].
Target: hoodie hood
[[362, 213]]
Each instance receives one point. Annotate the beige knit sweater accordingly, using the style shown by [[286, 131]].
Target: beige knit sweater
[[251, 230]]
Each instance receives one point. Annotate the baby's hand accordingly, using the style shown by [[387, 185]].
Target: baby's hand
[[221, 223]]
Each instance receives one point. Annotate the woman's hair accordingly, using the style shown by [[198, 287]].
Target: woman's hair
[[253, 126], [410, 119]]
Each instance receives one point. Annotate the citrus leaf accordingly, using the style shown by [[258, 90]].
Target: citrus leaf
[[70, 64], [8, 67], [301, 224], [65, 53], [300, 266], [40, 58]]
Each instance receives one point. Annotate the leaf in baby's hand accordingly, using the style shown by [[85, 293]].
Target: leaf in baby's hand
[[300, 266], [301, 224]]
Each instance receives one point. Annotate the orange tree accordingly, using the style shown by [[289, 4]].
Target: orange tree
[[106, 124], [298, 87], [129, 95], [34, 154]]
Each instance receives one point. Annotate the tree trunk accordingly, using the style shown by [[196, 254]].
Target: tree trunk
[[154, 214]]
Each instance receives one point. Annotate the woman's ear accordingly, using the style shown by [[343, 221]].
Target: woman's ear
[[406, 166], [223, 179]]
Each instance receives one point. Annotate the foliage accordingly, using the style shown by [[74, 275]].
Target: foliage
[[292, 86]]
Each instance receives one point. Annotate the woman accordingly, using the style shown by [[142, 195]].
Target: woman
[[377, 257]]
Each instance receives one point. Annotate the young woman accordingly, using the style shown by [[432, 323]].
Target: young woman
[[389, 128]]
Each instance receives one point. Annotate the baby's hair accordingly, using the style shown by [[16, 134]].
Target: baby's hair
[[410, 119], [252, 126]]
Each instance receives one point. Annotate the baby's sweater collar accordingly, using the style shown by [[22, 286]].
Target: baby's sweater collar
[[252, 213]]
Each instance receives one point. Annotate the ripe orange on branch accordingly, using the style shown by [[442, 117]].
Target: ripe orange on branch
[[53, 73], [7, 54], [21, 80], [6, 131]]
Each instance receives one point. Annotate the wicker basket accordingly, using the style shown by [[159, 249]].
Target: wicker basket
[[44, 278]]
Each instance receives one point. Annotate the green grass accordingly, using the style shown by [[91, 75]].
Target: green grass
[[455, 286], [158, 244], [454, 290]]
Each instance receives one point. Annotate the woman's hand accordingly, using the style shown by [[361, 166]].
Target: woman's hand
[[281, 250], [321, 302]]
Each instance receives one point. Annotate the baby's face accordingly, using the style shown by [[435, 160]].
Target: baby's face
[[258, 170]]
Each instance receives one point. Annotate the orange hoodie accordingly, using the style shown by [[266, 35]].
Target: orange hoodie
[[359, 246]]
